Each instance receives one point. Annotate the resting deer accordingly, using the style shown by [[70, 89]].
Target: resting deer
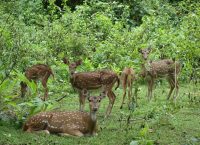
[[67, 123], [160, 68], [37, 72], [92, 80], [127, 78]]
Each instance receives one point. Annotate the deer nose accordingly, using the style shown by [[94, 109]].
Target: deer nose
[[95, 109]]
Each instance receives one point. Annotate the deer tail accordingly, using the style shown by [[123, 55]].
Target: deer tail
[[118, 82]]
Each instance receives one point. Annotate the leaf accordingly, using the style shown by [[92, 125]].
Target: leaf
[[144, 131], [134, 142], [4, 85]]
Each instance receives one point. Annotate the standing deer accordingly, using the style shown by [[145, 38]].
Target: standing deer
[[127, 78], [82, 81], [37, 72], [158, 69], [67, 123]]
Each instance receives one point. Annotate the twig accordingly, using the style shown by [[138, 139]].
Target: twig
[[175, 83], [131, 120], [59, 99]]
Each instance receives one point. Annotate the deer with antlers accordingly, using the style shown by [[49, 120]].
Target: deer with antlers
[[104, 79], [167, 68], [127, 78], [34, 73], [67, 123]]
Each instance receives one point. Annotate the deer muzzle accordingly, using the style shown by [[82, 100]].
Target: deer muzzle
[[95, 109]]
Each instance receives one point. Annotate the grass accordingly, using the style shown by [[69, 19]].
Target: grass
[[156, 122]]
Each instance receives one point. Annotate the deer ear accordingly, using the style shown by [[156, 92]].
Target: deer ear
[[140, 50], [65, 60], [88, 96], [149, 48], [85, 92], [103, 95]]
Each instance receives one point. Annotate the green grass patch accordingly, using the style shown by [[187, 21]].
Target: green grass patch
[[156, 122]]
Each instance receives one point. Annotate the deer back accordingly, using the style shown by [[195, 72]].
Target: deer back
[[38, 71], [92, 80], [108, 77], [66, 121], [86, 80], [162, 67], [38, 122]]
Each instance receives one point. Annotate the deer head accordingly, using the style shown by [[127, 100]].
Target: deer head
[[145, 52], [73, 65], [94, 101]]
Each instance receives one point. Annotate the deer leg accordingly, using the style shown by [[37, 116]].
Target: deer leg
[[152, 85], [176, 90], [82, 96], [44, 84], [81, 100], [172, 85], [111, 97], [31, 130], [148, 85], [150, 88], [72, 133], [124, 95], [43, 131], [131, 98]]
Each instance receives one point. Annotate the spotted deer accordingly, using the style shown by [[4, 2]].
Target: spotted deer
[[81, 81], [34, 73], [127, 78], [167, 68], [67, 123]]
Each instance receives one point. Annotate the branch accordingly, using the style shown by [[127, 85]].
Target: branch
[[59, 99]]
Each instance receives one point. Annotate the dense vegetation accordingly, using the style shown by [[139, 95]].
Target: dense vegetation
[[104, 34]]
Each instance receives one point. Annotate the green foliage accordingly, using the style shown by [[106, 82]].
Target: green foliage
[[104, 34]]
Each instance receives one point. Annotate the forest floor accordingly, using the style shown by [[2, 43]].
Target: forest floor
[[156, 122]]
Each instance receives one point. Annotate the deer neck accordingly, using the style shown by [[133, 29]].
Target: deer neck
[[145, 68], [71, 74], [93, 116], [93, 123], [146, 64]]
